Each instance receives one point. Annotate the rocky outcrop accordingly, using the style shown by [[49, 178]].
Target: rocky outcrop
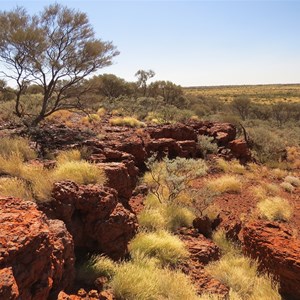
[[121, 176], [278, 252], [202, 251], [93, 215], [240, 149], [36, 255]]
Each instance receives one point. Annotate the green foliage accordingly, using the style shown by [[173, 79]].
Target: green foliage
[[206, 145], [55, 50], [170, 179], [165, 247]]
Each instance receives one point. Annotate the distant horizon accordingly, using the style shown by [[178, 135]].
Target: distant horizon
[[196, 43]]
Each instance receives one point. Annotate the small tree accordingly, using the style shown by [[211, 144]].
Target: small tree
[[56, 50], [143, 76], [242, 106]]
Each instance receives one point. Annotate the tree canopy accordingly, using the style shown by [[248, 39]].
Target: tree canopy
[[55, 50]]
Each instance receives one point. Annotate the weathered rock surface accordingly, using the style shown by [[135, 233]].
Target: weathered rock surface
[[278, 252], [202, 251], [36, 255], [93, 215], [240, 149]]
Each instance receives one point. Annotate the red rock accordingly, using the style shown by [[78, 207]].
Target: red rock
[[38, 251], [163, 147], [121, 176], [177, 132], [8, 286], [202, 251], [277, 251], [203, 225], [95, 218], [240, 150], [222, 132]]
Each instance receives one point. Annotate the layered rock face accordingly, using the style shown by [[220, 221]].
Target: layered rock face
[[36, 255], [94, 217], [277, 251]]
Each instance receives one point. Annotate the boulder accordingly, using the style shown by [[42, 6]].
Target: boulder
[[177, 132], [93, 215], [277, 251], [36, 255], [240, 150]]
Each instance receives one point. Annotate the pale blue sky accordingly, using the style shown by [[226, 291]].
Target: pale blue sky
[[196, 42]]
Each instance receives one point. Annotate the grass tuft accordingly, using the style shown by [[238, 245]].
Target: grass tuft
[[167, 248], [225, 184], [275, 209], [81, 172]]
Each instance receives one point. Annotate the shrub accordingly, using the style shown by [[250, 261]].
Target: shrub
[[142, 279], [206, 145], [167, 248], [95, 267], [278, 173], [101, 112], [295, 181], [16, 147], [11, 165], [169, 217], [287, 186], [68, 155], [241, 275], [91, 118], [232, 166], [14, 187], [126, 121], [225, 184], [275, 208], [169, 179], [265, 190], [40, 181], [81, 172]]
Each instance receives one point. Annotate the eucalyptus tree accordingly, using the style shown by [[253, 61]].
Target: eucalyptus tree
[[56, 50]]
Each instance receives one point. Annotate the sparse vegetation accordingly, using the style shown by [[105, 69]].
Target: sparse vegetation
[[143, 279], [225, 184], [275, 209], [80, 172], [240, 273], [165, 247], [126, 121]]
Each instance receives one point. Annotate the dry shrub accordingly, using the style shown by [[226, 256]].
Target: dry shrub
[[265, 190], [91, 119], [293, 180], [168, 217], [240, 273], [142, 279], [232, 166], [225, 184], [288, 187], [165, 247], [126, 121], [293, 156], [68, 155], [81, 172], [275, 209], [16, 147], [60, 116], [14, 187], [95, 267], [101, 112]]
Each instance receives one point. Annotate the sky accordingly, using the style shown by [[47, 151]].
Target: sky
[[196, 43]]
